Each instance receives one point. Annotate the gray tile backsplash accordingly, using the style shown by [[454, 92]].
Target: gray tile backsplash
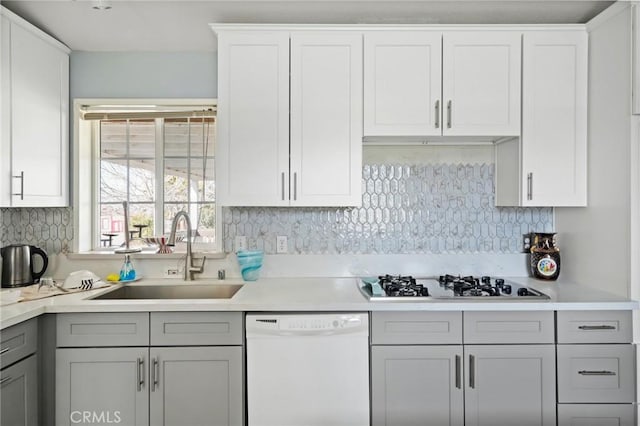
[[406, 209], [47, 228]]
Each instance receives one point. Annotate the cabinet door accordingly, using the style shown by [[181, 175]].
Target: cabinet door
[[196, 386], [481, 83], [252, 159], [505, 383], [402, 83], [39, 121], [554, 119], [103, 385], [5, 112], [326, 119], [416, 386], [19, 393]]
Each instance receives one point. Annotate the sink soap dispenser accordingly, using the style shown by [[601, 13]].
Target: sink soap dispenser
[[127, 273]]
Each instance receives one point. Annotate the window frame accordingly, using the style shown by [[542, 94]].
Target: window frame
[[86, 183]]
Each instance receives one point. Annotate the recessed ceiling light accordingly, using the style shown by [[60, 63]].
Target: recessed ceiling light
[[101, 4]]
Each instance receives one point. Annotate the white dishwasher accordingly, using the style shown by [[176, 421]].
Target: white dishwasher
[[308, 370]]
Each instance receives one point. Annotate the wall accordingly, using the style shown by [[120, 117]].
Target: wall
[[143, 75], [406, 208], [596, 239]]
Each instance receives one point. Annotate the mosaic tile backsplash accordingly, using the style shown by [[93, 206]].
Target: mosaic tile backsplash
[[406, 209], [48, 228]]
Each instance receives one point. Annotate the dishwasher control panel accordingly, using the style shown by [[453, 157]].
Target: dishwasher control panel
[[301, 323]]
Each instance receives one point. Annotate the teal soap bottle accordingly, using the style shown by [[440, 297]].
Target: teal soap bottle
[[127, 273]]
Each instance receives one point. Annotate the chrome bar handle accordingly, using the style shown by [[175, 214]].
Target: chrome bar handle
[[4, 351], [596, 373], [529, 186], [140, 373], [596, 327], [438, 114], [458, 384], [5, 380], [472, 371], [155, 374], [21, 177], [282, 186], [449, 115], [295, 186]]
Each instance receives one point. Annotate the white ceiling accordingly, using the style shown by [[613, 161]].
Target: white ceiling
[[150, 25]]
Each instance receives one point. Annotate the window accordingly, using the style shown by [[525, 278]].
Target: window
[[160, 163]]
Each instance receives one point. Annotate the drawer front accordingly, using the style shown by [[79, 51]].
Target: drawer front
[[596, 373], [397, 328], [18, 341], [509, 327], [103, 329], [596, 415], [594, 327], [196, 328]]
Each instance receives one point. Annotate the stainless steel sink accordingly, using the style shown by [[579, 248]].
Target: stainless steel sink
[[184, 291]]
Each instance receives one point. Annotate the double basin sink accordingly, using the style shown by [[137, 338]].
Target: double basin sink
[[174, 291]]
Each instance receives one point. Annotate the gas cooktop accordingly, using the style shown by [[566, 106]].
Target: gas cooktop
[[408, 288]]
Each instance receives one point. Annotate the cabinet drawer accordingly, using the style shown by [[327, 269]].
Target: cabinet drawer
[[196, 328], [18, 341], [596, 373], [596, 414], [508, 327], [396, 328], [594, 327], [103, 329]]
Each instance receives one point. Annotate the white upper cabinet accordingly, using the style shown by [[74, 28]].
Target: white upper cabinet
[[552, 152], [326, 119], [481, 83], [428, 83], [35, 116], [252, 159], [289, 140], [402, 83]]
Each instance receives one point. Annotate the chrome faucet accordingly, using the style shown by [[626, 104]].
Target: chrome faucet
[[189, 268]]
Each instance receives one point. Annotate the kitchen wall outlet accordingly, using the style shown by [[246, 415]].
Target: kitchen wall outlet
[[171, 272], [241, 243], [282, 246], [526, 243]]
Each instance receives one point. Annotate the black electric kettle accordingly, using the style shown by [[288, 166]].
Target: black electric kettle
[[17, 265]]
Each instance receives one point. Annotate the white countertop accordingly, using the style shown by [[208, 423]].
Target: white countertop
[[311, 294]]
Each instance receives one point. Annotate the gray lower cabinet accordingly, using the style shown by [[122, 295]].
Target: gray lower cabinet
[[417, 386], [510, 384], [18, 393], [98, 385], [178, 369], [196, 386], [596, 368]]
